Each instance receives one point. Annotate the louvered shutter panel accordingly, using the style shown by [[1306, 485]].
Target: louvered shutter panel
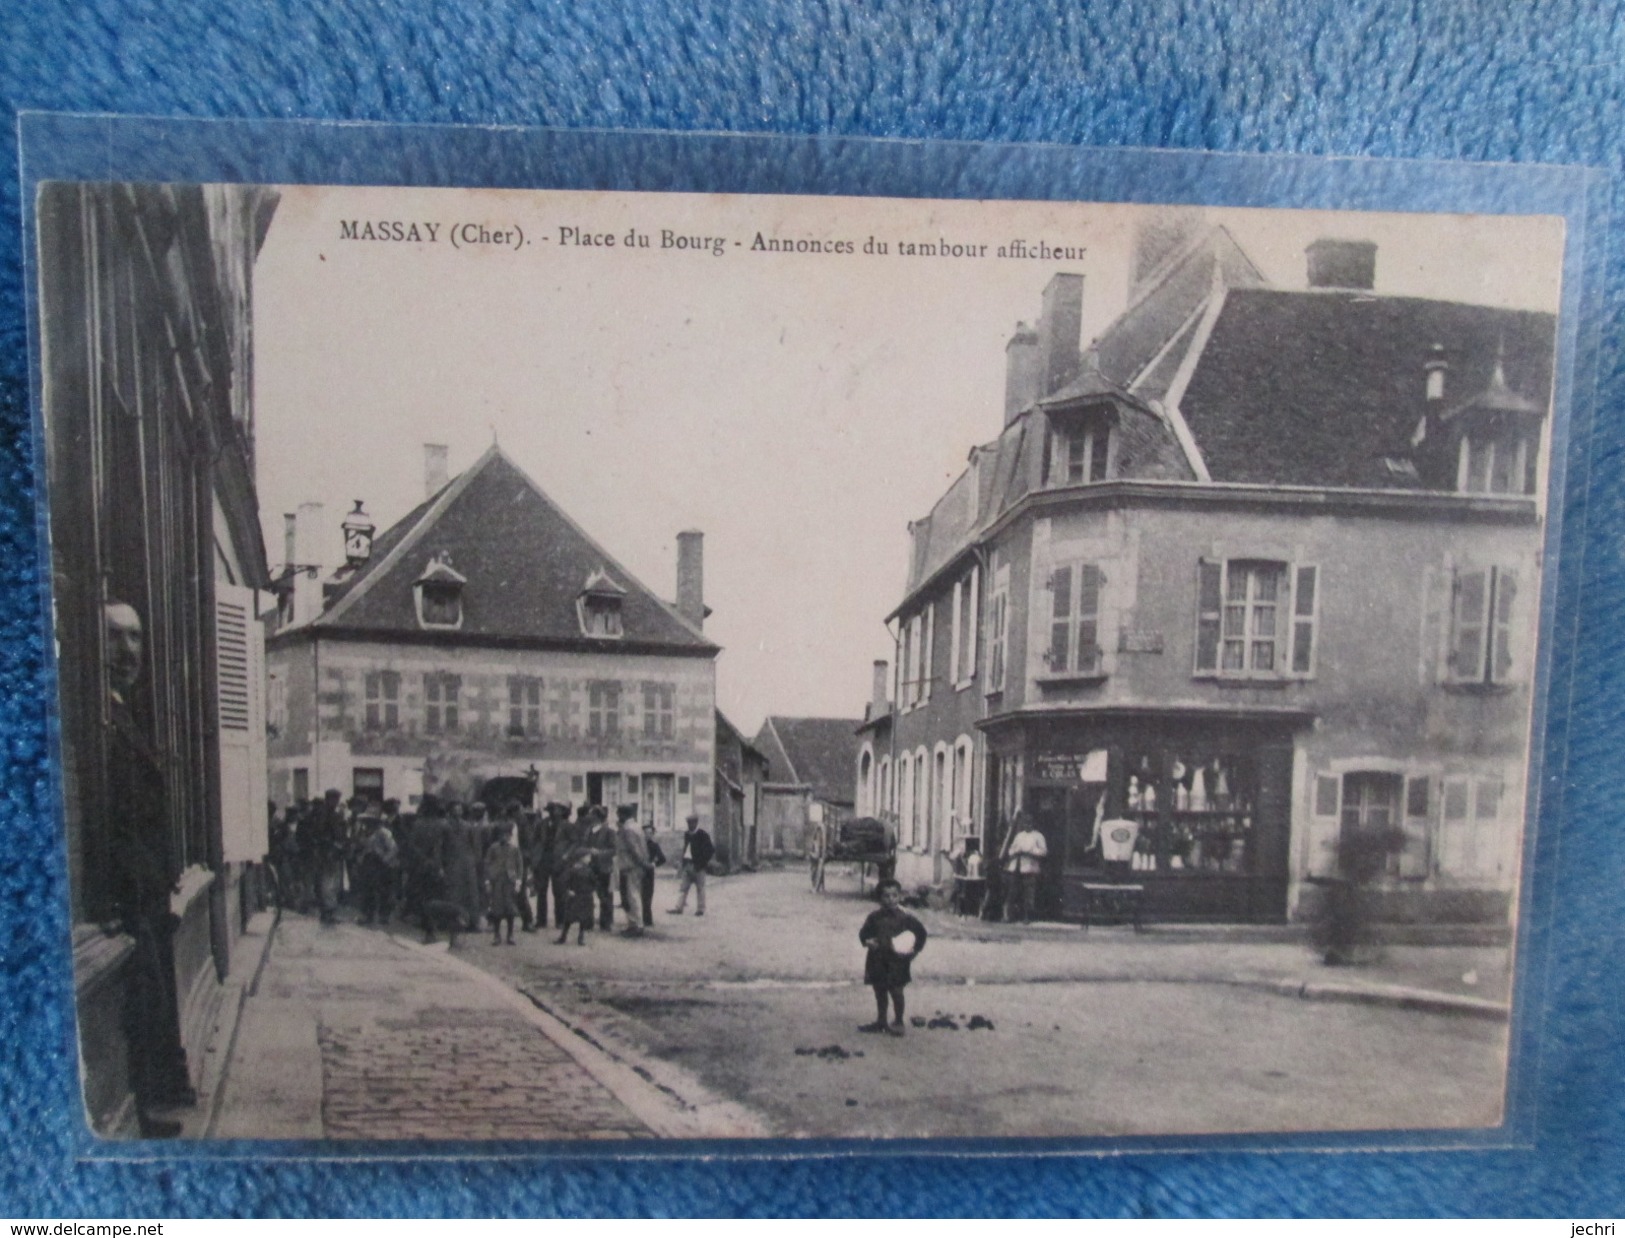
[[975, 622], [1502, 634], [1209, 603], [1059, 656], [1414, 860], [1470, 615], [1454, 827], [1325, 826], [1305, 612], [1090, 579], [240, 702]]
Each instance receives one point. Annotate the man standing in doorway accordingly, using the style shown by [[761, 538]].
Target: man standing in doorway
[[697, 852], [144, 873], [1026, 861]]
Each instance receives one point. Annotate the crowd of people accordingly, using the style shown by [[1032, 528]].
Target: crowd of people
[[455, 868]]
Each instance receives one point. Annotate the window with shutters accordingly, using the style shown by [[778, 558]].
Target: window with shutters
[[441, 693], [1483, 633], [1074, 629], [382, 705], [998, 615], [604, 709], [524, 705], [1256, 619], [659, 710], [965, 615]]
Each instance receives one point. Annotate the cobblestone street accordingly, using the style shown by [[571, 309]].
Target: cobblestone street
[[358, 1035]]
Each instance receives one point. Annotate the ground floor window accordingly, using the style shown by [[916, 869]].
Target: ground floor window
[[368, 784]]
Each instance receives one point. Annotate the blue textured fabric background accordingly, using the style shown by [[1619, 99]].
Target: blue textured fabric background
[[1473, 79]]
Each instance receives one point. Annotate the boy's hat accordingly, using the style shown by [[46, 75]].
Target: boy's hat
[[693, 818]]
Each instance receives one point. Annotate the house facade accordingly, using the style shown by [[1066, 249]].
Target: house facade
[[486, 636], [741, 772], [1254, 575], [810, 778], [145, 298]]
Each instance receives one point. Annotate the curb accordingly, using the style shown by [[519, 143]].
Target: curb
[[1394, 996], [669, 1102]]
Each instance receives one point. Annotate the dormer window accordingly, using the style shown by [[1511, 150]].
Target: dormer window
[[1079, 449], [598, 606], [1496, 463], [439, 595]]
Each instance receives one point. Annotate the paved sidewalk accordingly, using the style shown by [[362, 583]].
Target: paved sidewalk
[[355, 1034]]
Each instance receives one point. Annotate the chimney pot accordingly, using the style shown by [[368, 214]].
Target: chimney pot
[[877, 693], [1020, 371], [436, 469], [1060, 333], [691, 576]]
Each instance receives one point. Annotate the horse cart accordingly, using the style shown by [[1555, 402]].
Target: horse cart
[[861, 843]]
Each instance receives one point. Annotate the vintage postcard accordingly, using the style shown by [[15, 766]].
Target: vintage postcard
[[561, 665]]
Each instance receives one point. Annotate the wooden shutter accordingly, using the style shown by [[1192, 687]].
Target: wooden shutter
[[1209, 608], [1059, 656], [928, 655], [1305, 613], [973, 622], [1484, 858], [1325, 826], [1502, 633], [1415, 860], [1454, 827], [1090, 579], [955, 632], [1470, 613], [239, 644]]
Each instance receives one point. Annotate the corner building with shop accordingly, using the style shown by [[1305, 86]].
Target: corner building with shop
[[486, 636], [1256, 572]]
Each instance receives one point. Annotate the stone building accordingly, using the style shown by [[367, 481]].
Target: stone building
[[485, 635], [809, 780], [1257, 572], [145, 300]]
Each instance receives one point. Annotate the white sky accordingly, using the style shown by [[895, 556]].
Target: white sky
[[799, 409]]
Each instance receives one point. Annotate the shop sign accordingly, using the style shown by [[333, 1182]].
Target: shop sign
[[1139, 640], [1070, 766]]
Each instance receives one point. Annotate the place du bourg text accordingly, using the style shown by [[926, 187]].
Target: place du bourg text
[[572, 236]]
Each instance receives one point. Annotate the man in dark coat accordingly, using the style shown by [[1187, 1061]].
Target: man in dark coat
[[144, 873], [697, 852], [543, 856], [600, 840], [566, 835]]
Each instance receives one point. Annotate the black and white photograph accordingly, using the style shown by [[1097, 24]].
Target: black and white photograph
[[542, 666]]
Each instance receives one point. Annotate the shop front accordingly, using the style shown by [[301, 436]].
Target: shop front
[[1195, 808]]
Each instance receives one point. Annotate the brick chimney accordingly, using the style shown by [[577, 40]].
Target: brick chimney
[[877, 693], [1342, 264], [1020, 371], [308, 532], [435, 468], [691, 576], [1060, 333]]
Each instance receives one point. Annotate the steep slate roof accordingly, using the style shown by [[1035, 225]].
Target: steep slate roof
[[525, 561], [1316, 388], [821, 753]]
